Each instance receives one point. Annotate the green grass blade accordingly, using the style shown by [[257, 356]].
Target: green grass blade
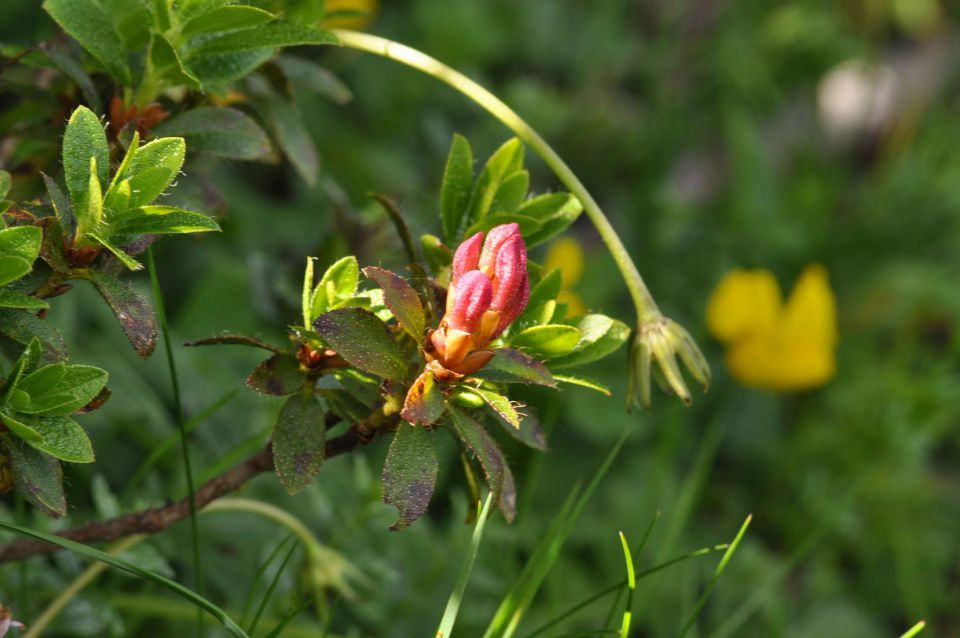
[[916, 629], [248, 603], [521, 594], [273, 633], [631, 587], [456, 596], [269, 593], [196, 599], [716, 575], [184, 447]]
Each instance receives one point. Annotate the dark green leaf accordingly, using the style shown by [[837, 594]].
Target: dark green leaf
[[299, 440], [52, 248], [402, 300], [495, 469], [22, 327], [512, 366], [409, 473], [363, 340], [225, 19], [506, 160], [233, 339], [313, 78], [530, 433], [550, 340], [220, 69], [153, 168], [600, 336], [224, 132], [92, 27], [161, 220], [38, 476], [284, 119], [554, 211], [63, 438], [455, 191], [61, 205], [279, 375], [423, 404], [270, 36], [132, 311], [61, 389]]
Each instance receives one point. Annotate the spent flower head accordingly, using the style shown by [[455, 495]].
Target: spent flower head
[[662, 340], [7, 621]]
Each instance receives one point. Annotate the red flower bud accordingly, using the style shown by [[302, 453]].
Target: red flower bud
[[467, 257], [510, 272], [513, 311], [496, 238], [472, 294]]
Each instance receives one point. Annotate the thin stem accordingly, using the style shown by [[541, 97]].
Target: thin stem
[[645, 305], [184, 446]]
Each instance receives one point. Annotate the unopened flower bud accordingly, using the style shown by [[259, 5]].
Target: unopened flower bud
[[471, 297], [496, 238], [467, 257]]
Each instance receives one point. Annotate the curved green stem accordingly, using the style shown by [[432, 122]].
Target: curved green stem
[[645, 305]]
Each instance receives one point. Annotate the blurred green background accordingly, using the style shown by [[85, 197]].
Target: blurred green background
[[716, 135]]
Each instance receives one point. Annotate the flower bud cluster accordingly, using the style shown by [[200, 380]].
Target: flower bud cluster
[[489, 288]]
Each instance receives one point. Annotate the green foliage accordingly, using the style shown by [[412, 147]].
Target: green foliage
[[363, 340], [19, 248], [401, 299], [409, 473], [299, 441]]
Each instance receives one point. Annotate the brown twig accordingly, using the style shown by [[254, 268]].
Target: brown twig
[[156, 519]]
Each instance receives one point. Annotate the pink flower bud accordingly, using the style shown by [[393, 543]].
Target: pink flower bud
[[510, 271], [467, 257], [513, 311], [496, 238], [472, 294]]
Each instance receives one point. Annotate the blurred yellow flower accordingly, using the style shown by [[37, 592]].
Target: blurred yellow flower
[[350, 14], [566, 255], [772, 345]]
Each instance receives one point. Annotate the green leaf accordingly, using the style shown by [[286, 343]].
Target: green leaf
[[437, 255], [38, 477], [162, 220], [19, 248], [550, 340], [225, 19], [584, 383], [22, 327], [132, 311], [14, 299], [167, 67], [90, 215], [313, 78], [64, 439], [528, 225], [22, 427], [223, 132], [542, 294], [363, 340], [455, 191], [600, 337], [299, 441], [338, 283], [5, 180], [117, 252], [506, 160], [271, 36], [495, 469], [402, 300], [554, 211], [153, 168], [409, 474], [60, 389], [24, 365], [221, 69], [279, 375], [512, 192], [232, 339], [512, 366], [423, 404], [530, 433], [91, 26], [61, 205], [84, 139], [501, 405], [284, 119]]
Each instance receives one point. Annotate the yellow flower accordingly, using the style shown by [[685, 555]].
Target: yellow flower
[[350, 14], [772, 345], [566, 255]]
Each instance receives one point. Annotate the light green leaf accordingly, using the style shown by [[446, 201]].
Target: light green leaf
[[554, 211], [455, 191], [38, 477], [544, 292], [409, 473], [271, 36], [363, 340], [14, 299], [21, 426], [506, 160], [299, 441], [167, 67], [402, 300], [338, 283], [223, 132], [584, 383], [162, 220], [84, 139], [512, 192], [153, 168], [91, 26], [19, 248], [550, 340], [600, 337], [60, 389], [4, 184], [90, 214], [501, 405], [64, 439], [118, 252], [225, 19]]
